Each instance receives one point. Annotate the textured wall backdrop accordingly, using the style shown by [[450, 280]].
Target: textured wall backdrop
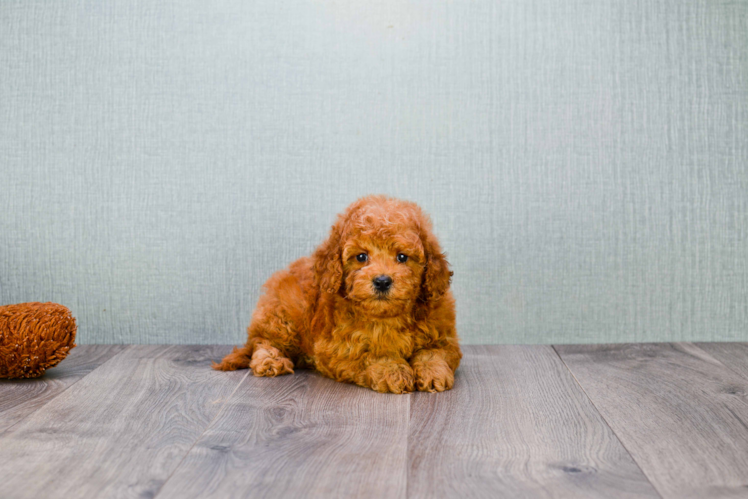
[[585, 162]]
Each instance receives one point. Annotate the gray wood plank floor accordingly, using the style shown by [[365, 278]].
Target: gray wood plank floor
[[638, 420], [301, 435], [21, 398], [681, 413], [120, 432], [731, 354], [529, 432]]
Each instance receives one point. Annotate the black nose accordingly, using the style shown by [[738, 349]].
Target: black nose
[[382, 283]]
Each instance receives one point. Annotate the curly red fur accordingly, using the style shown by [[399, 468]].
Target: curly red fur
[[34, 336], [324, 312]]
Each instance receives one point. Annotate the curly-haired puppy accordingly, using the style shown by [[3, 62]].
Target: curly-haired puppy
[[371, 306]]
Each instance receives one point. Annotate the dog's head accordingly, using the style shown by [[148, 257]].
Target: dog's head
[[382, 257]]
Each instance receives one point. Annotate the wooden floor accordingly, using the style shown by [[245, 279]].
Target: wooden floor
[[636, 420]]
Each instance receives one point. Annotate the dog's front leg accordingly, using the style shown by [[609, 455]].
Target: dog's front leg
[[435, 368], [388, 375]]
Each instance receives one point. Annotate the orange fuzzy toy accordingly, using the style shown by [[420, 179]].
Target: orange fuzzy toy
[[34, 337]]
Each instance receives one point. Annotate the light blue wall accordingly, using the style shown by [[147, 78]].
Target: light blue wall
[[585, 162]]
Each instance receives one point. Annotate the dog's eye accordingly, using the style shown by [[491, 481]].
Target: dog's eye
[[362, 257], [401, 257]]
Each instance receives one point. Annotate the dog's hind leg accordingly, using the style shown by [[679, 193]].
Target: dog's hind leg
[[265, 360], [268, 350], [271, 345], [239, 358], [269, 361], [273, 337]]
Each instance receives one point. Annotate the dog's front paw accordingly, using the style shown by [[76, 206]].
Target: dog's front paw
[[434, 375], [391, 376]]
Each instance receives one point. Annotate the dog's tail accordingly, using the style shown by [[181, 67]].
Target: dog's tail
[[238, 359]]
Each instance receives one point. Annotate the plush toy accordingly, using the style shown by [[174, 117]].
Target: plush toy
[[34, 337]]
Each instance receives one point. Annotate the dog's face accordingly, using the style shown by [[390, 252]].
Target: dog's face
[[382, 276], [382, 258]]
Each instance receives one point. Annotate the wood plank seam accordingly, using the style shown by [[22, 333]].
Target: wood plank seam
[[681, 412], [728, 366], [10, 429], [213, 420], [517, 425], [299, 436], [121, 433], [606, 422]]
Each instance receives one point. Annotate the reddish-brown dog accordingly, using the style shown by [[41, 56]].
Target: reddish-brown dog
[[371, 306]]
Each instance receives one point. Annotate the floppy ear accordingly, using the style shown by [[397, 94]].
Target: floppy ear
[[328, 262], [436, 276]]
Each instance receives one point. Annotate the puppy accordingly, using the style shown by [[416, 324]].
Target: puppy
[[371, 306]]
